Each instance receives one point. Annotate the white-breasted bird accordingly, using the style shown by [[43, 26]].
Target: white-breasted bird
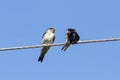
[[47, 38]]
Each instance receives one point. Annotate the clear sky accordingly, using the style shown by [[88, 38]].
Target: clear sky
[[22, 23]]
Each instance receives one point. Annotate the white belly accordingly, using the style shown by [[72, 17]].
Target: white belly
[[48, 39]]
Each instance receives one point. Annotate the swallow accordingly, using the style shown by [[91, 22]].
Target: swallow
[[47, 38], [72, 37]]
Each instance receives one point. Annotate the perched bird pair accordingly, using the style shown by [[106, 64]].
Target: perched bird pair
[[48, 37]]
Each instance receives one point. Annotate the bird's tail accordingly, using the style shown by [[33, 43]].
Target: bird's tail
[[44, 50], [40, 58], [64, 48]]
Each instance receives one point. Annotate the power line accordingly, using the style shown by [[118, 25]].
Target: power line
[[59, 44]]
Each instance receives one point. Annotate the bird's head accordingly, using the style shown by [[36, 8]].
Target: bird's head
[[51, 30], [70, 30]]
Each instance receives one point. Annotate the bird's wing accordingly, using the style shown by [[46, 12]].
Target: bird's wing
[[77, 36], [53, 38], [44, 34]]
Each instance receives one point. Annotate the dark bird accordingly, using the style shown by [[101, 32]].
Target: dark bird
[[47, 38], [72, 37]]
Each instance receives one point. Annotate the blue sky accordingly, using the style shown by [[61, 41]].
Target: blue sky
[[22, 23]]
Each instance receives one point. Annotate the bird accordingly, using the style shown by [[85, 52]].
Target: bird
[[47, 38], [72, 37]]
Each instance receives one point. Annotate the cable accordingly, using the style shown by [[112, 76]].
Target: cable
[[59, 44]]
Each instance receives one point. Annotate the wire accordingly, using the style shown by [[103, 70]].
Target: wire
[[58, 44]]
